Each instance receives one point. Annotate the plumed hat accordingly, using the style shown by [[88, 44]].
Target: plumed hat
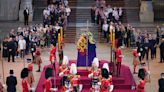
[[95, 61], [65, 60], [24, 73], [73, 69], [104, 73], [106, 66], [48, 73]]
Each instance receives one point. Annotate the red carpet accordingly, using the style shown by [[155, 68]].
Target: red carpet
[[121, 84]]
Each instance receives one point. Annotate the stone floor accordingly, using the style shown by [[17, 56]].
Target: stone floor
[[103, 52]]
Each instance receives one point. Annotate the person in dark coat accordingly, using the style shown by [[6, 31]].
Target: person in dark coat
[[146, 47], [5, 51], [11, 49], [161, 83], [11, 82], [153, 46], [26, 15], [162, 51], [140, 51]]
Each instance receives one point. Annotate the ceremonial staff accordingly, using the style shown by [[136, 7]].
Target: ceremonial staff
[[3, 74], [148, 70]]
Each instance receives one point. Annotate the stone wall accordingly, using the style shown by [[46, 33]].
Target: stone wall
[[9, 9], [23, 5], [158, 9]]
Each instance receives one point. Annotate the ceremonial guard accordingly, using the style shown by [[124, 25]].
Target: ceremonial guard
[[94, 73], [143, 72], [30, 76], [106, 81], [74, 79], [141, 85], [52, 57], [24, 76], [48, 82], [135, 59], [119, 60], [64, 71], [38, 59]]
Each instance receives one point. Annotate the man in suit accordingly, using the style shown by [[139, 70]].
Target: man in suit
[[162, 51], [161, 83], [11, 49], [11, 82], [26, 15]]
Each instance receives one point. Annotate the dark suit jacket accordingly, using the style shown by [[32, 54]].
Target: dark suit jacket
[[25, 13], [11, 83], [161, 85]]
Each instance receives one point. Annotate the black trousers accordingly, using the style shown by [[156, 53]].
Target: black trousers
[[118, 68], [25, 20], [146, 52], [161, 57], [11, 54]]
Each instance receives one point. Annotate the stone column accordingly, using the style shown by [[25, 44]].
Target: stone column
[[9, 9], [23, 5], [146, 11]]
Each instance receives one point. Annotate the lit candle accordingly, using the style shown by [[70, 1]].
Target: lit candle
[[113, 39], [59, 40], [111, 34]]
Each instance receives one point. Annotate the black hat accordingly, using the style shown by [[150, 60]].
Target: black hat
[[11, 72], [104, 73], [162, 74], [48, 73], [24, 73]]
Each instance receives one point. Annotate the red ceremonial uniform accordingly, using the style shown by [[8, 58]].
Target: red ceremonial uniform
[[118, 55], [96, 73], [48, 85], [25, 85], [74, 80], [135, 59], [65, 70], [52, 54], [105, 83], [141, 85]]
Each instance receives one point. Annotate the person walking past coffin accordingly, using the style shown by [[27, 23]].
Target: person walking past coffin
[[11, 49], [22, 47], [11, 82]]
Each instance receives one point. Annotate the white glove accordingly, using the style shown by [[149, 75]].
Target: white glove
[[53, 89], [60, 74], [90, 75], [111, 88], [33, 89], [99, 83], [80, 87], [121, 56], [139, 54], [4, 86], [148, 72]]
